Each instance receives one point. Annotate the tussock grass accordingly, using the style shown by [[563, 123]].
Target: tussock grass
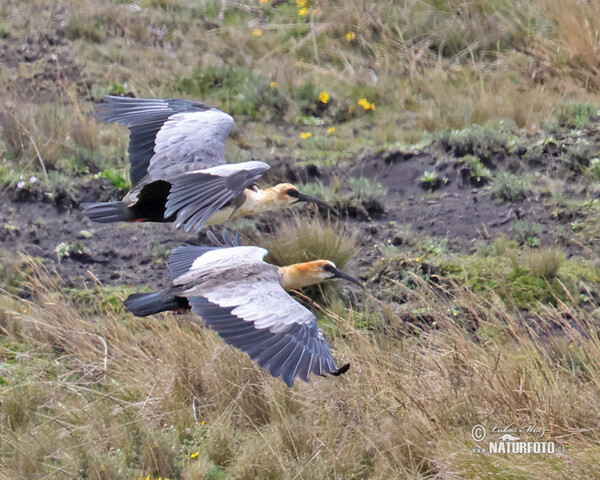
[[113, 396], [299, 238], [545, 262]]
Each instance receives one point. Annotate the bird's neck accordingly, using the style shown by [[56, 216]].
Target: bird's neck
[[297, 276], [257, 201]]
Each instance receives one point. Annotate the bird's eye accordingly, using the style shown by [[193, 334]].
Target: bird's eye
[[329, 268], [293, 193]]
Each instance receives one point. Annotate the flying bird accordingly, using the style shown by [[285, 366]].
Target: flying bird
[[245, 300], [178, 171]]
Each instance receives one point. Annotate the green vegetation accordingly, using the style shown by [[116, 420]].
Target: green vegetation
[[117, 179], [484, 142], [429, 179], [540, 277], [509, 187], [69, 249], [478, 172], [356, 195], [527, 279], [595, 168]]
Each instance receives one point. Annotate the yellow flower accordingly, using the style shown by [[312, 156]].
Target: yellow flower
[[194, 455], [301, 3], [363, 102], [304, 135], [418, 259], [323, 97], [350, 36], [303, 12], [331, 130], [264, 1], [202, 422], [273, 84], [257, 32]]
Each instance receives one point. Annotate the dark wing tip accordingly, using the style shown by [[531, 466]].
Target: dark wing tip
[[227, 240], [213, 239], [183, 257], [232, 242], [340, 371]]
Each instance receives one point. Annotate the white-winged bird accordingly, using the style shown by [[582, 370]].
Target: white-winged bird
[[244, 300], [178, 171]]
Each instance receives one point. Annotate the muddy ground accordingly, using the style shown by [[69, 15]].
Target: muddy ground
[[457, 214]]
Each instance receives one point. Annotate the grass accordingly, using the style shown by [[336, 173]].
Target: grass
[[509, 187], [117, 179], [357, 196], [35, 135], [300, 238], [151, 393]]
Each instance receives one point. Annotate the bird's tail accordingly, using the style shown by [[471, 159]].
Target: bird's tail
[[144, 304], [108, 212]]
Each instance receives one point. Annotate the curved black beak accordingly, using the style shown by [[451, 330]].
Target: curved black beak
[[339, 274], [308, 198]]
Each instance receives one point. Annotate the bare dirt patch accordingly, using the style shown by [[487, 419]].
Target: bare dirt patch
[[457, 213]]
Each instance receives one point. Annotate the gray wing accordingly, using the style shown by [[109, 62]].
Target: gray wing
[[293, 352], [182, 259], [168, 136], [196, 196], [239, 296]]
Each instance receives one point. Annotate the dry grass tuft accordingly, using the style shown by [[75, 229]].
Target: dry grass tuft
[[36, 134], [302, 238], [570, 46], [545, 262]]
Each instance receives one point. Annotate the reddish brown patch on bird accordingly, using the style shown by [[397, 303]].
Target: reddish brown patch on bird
[[137, 220]]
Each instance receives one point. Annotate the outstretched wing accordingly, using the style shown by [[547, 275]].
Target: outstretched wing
[[196, 196], [168, 136], [239, 295], [182, 259]]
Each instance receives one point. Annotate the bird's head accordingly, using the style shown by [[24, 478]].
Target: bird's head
[[286, 194], [302, 275]]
